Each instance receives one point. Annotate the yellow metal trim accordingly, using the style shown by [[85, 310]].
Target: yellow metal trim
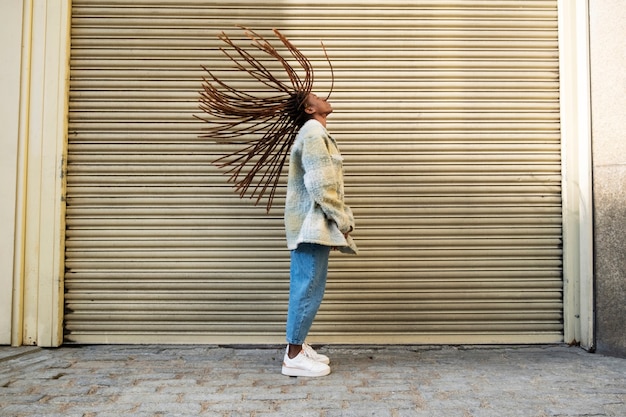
[[576, 155], [11, 49], [45, 132]]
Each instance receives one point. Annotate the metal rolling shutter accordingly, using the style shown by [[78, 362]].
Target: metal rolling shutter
[[447, 113]]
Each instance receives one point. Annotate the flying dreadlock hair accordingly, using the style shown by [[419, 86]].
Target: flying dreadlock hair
[[266, 123]]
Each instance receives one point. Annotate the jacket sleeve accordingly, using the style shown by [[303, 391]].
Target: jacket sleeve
[[323, 182]]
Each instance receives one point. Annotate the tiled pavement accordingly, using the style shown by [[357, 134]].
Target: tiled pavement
[[397, 381]]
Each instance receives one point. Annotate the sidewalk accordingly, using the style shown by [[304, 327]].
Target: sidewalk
[[381, 381]]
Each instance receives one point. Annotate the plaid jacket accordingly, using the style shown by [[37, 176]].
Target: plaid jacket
[[315, 211]]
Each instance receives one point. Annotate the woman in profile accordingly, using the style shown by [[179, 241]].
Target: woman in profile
[[273, 126]]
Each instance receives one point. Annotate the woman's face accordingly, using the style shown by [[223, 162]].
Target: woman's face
[[316, 105]]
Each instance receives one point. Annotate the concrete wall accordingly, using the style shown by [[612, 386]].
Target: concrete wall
[[608, 107]]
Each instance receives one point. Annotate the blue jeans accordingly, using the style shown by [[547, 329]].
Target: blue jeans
[[309, 268]]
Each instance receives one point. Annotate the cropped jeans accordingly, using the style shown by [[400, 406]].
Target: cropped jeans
[[308, 271]]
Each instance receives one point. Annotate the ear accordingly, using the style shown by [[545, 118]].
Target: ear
[[309, 110]]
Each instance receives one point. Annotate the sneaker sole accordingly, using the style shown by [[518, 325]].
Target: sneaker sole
[[303, 372]]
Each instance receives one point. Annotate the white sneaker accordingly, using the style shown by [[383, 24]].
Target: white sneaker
[[302, 365], [311, 353]]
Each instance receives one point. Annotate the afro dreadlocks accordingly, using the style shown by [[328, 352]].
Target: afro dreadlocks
[[265, 122]]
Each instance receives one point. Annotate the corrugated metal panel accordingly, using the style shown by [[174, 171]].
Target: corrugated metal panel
[[447, 113]]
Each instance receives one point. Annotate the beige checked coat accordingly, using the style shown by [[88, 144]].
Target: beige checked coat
[[315, 211]]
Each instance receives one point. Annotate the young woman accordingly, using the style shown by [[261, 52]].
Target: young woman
[[289, 120], [316, 221]]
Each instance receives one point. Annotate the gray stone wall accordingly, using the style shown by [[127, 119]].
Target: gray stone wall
[[608, 109]]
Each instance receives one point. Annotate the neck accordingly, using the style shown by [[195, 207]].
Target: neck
[[320, 118]]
